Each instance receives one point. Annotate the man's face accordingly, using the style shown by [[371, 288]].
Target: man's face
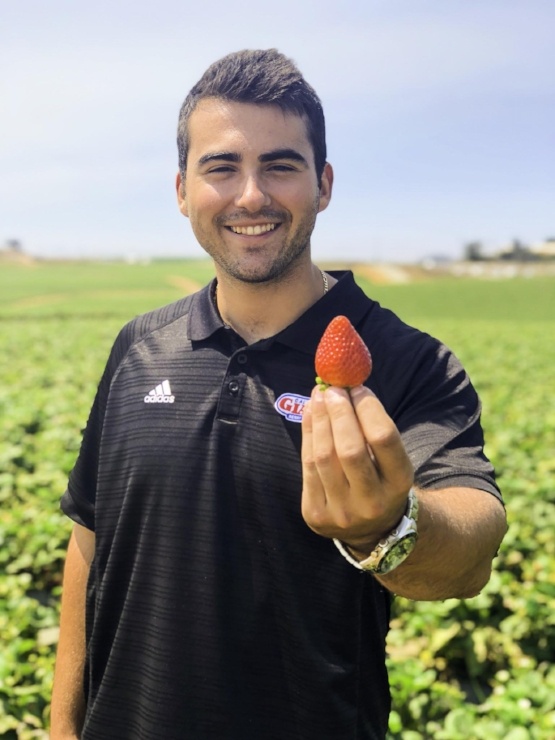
[[251, 190]]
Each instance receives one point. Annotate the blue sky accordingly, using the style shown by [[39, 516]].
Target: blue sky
[[440, 117]]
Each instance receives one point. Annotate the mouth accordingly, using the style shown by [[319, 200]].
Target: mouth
[[253, 230]]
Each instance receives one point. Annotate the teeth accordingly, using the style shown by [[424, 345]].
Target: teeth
[[253, 230]]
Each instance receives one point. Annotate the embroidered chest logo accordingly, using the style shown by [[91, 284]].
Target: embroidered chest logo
[[291, 406], [161, 394]]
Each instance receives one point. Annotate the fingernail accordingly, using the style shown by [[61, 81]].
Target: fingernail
[[334, 394], [360, 391], [318, 395]]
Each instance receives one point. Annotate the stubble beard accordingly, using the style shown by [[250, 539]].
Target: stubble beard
[[271, 269]]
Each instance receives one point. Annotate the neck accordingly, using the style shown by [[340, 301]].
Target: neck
[[260, 310]]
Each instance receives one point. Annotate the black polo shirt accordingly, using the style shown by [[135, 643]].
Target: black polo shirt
[[213, 611]]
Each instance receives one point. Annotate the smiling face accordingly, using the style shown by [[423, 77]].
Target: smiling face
[[251, 190]]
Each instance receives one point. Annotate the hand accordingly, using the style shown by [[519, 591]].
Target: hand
[[356, 472]]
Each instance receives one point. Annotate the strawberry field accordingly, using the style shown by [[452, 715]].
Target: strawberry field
[[482, 668]]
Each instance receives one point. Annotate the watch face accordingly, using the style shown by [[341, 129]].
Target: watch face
[[398, 552]]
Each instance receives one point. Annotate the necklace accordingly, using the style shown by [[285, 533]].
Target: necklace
[[325, 281]]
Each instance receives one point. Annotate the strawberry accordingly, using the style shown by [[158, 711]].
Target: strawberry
[[342, 358]]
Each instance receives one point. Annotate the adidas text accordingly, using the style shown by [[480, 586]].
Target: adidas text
[[161, 394]]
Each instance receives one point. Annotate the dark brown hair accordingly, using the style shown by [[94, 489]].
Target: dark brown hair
[[264, 77]]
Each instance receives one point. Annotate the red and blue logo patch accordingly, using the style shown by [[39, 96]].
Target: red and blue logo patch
[[291, 406]]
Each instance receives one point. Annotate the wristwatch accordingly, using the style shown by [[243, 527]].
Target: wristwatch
[[392, 550]]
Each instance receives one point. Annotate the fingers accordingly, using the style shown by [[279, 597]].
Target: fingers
[[384, 439], [313, 490], [335, 458], [314, 504], [334, 409], [321, 467], [356, 473]]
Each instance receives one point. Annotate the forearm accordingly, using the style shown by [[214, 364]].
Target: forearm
[[68, 699], [459, 533], [356, 475]]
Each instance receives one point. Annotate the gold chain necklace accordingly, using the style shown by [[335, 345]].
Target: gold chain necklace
[[322, 273]]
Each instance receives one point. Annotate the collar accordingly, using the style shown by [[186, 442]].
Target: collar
[[204, 320], [346, 298]]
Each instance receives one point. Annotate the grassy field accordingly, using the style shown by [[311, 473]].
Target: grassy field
[[481, 668], [47, 289], [55, 289]]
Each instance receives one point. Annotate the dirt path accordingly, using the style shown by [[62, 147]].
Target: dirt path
[[384, 274], [39, 300], [183, 283]]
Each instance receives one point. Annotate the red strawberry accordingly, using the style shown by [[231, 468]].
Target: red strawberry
[[342, 358]]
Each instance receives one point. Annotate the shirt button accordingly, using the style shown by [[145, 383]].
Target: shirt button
[[233, 387], [242, 358]]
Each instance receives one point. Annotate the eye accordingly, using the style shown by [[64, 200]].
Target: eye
[[281, 168], [221, 168]]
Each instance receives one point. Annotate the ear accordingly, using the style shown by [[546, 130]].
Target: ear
[[326, 187], [180, 190]]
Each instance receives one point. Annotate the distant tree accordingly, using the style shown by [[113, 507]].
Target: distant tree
[[518, 252], [14, 245], [473, 251]]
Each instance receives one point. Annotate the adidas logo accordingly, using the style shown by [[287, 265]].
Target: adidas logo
[[161, 394]]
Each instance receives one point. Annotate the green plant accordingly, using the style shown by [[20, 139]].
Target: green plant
[[475, 669]]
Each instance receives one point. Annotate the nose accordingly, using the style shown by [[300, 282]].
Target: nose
[[253, 195]]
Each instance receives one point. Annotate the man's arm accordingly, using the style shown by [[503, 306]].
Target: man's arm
[[68, 699], [356, 477], [459, 532]]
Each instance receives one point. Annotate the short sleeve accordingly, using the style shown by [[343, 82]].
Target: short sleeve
[[78, 501], [430, 397], [440, 423]]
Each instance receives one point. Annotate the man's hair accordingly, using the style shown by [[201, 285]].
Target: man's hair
[[263, 77]]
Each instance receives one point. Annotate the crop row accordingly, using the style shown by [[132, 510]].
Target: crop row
[[480, 668]]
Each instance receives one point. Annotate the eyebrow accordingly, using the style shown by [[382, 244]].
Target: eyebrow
[[292, 154], [224, 156], [271, 156]]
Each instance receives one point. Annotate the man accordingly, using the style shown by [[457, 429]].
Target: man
[[227, 556]]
